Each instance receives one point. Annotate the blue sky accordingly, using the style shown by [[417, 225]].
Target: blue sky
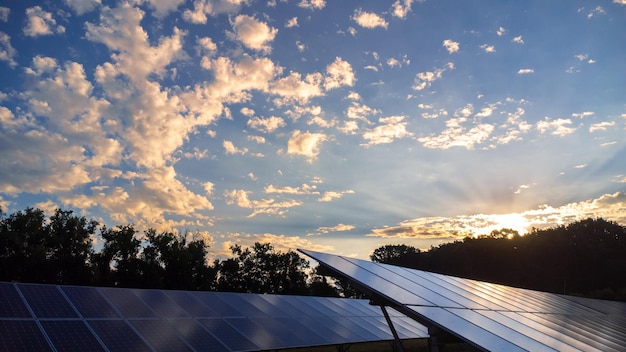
[[338, 126]]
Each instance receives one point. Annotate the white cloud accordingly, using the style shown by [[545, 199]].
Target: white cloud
[[601, 126], [390, 129], [7, 52], [267, 125], [339, 74], [230, 148], [369, 19], [455, 135], [518, 40], [40, 22], [312, 4], [425, 79], [270, 206], [305, 144], [558, 127], [360, 111], [4, 13], [82, 6], [202, 8], [253, 33], [488, 48], [292, 22], [619, 2], [163, 7], [583, 114], [500, 31], [207, 44], [294, 88], [304, 189], [451, 46], [525, 71], [332, 195], [401, 8], [336, 228]]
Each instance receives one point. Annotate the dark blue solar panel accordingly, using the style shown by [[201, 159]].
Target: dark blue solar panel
[[21, 335], [11, 304], [216, 303], [240, 301], [228, 335], [89, 302], [118, 336], [198, 337], [256, 333], [332, 332], [71, 335], [189, 302], [127, 303], [160, 335], [290, 331], [46, 301], [161, 304]]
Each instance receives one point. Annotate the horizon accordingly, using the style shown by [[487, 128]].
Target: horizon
[[331, 126]]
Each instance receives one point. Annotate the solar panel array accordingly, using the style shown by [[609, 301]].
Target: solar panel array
[[37, 317], [490, 316]]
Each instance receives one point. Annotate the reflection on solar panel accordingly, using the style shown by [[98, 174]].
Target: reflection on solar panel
[[488, 316], [37, 317]]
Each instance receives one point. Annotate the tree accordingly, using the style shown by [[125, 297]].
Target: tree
[[401, 255], [120, 253]]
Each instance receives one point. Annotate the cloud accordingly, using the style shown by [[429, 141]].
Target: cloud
[[281, 243], [455, 135], [270, 206], [292, 22], [312, 4], [304, 189], [4, 13], [7, 52], [558, 127], [601, 126], [305, 144], [163, 7], [266, 125], [81, 7], [619, 2], [360, 111], [207, 44], [451, 46], [488, 48], [232, 150], [425, 79], [518, 40], [253, 33], [339, 74], [336, 228], [500, 31], [295, 88], [202, 8], [390, 129], [525, 71], [369, 19], [332, 195], [608, 206], [401, 8], [40, 22]]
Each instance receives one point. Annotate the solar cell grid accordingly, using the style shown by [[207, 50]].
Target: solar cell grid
[[198, 337], [46, 301], [117, 335], [256, 333], [228, 335], [286, 329], [21, 335], [160, 335], [161, 304], [590, 334], [89, 302], [214, 301], [127, 303], [243, 304], [330, 330], [11, 304], [71, 335], [189, 303]]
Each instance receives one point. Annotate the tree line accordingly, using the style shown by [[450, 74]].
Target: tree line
[[59, 249], [585, 258]]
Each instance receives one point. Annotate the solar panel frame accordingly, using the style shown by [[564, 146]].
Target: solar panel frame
[[118, 335], [71, 336], [160, 335], [127, 303], [47, 301], [12, 304], [89, 302], [22, 335]]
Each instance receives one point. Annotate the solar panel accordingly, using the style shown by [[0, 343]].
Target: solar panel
[[488, 316], [12, 305], [36, 317]]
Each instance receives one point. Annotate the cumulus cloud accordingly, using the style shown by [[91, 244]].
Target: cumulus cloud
[[4, 13], [7, 52], [336, 228], [230, 148], [303, 189], [312, 4], [401, 8], [203, 8], [338, 74], [305, 144], [390, 129], [270, 206], [296, 88], [81, 7], [369, 19], [292, 22], [425, 79], [40, 22], [266, 125], [558, 127], [518, 40], [525, 71], [451, 46], [253, 33], [601, 126], [163, 7], [456, 135], [500, 32], [488, 48], [332, 195]]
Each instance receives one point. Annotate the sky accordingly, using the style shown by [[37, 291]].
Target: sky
[[337, 126]]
